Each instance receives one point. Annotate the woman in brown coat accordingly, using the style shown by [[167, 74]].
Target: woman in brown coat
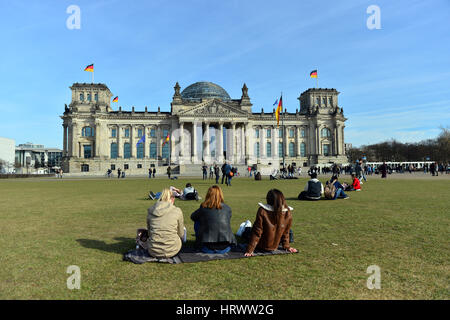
[[272, 225]]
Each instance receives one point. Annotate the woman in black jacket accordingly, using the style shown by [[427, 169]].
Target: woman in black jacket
[[212, 223]]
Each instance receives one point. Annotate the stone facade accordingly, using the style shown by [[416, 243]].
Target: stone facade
[[204, 125]]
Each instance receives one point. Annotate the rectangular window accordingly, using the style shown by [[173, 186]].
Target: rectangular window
[[280, 133], [291, 133], [257, 133], [257, 149], [87, 151], [303, 133], [140, 132], [140, 151], [125, 166], [165, 133], [89, 97], [324, 101], [96, 97], [113, 133], [330, 101], [152, 133], [126, 151], [139, 166], [113, 167], [280, 149], [153, 150], [269, 133], [113, 154], [84, 168], [326, 149], [81, 97], [127, 133], [269, 149]]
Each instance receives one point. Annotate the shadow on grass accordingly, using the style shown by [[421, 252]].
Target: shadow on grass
[[121, 246]]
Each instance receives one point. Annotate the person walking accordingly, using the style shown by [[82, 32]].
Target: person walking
[[154, 172], [217, 173], [119, 173], [149, 173], [205, 171], [169, 171]]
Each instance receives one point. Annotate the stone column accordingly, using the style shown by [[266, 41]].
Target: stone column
[[194, 153], [220, 143], [158, 142], [147, 142], [318, 140], [275, 141], [132, 142], [234, 155], [286, 141], [75, 152], [262, 144], [65, 140], [297, 141], [242, 146], [173, 156], [181, 141], [249, 154], [207, 153], [97, 139], [342, 141]]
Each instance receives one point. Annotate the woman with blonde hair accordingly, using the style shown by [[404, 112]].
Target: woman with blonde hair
[[165, 227], [272, 224], [212, 223]]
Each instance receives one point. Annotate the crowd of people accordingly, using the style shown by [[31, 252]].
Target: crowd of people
[[227, 170]]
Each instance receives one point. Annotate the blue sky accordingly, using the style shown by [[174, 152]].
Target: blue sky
[[394, 82]]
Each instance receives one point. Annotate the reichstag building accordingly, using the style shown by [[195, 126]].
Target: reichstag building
[[205, 125]]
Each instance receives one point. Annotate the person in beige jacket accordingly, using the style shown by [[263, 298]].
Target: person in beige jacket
[[165, 227]]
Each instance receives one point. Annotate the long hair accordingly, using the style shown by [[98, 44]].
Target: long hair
[[166, 195], [276, 199], [214, 198]]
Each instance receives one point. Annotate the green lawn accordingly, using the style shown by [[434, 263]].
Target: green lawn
[[402, 226]]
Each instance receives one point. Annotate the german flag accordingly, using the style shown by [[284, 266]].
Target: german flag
[[279, 110], [116, 99], [167, 139], [313, 74], [89, 68]]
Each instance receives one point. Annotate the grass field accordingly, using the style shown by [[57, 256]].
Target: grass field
[[402, 226]]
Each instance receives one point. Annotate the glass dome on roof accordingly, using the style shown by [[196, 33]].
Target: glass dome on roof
[[204, 90]]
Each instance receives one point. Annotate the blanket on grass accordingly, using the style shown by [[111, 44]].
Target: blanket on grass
[[190, 255]]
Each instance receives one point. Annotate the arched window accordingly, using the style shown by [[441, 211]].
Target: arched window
[[257, 149], [81, 96], [326, 133], [280, 149], [291, 149], [269, 149], [96, 97], [89, 97], [126, 150], [140, 151], [303, 149], [153, 150], [87, 132], [113, 150]]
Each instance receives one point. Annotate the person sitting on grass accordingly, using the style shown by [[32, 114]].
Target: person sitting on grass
[[339, 188], [355, 186], [189, 193], [212, 223], [272, 224], [313, 189], [165, 227]]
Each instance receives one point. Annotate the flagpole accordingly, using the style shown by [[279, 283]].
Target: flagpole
[[317, 79]]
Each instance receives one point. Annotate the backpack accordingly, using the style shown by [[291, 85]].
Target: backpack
[[329, 191]]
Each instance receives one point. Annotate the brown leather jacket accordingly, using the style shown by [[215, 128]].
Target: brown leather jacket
[[266, 233]]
